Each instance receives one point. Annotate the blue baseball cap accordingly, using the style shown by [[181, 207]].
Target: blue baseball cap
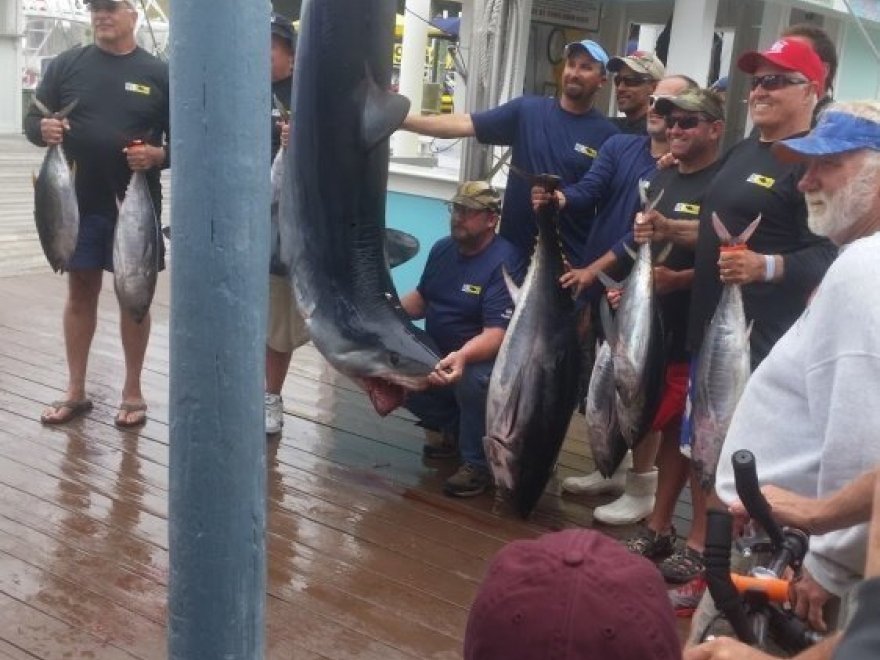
[[836, 132], [593, 49]]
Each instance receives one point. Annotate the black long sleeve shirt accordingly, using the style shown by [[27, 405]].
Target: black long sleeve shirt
[[121, 98]]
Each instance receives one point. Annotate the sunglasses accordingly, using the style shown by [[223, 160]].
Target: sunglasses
[[461, 209], [774, 81], [631, 81], [684, 122]]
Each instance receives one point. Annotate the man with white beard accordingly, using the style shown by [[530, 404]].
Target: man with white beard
[[809, 413]]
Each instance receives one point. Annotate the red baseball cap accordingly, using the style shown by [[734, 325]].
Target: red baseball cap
[[790, 54], [571, 595]]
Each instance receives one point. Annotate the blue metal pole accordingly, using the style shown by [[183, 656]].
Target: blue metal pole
[[219, 297]]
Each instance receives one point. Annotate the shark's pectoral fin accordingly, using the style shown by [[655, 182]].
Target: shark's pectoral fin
[[400, 247], [383, 113]]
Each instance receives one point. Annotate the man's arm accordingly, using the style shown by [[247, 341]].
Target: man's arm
[[848, 506], [653, 226], [414, 304], [454, 125], [481, 348]]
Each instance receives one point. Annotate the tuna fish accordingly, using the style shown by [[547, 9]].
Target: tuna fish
[[533, 388], [607, 445], [333, 191], [136, 249], [56, 211], [722, 370], [637, 342]]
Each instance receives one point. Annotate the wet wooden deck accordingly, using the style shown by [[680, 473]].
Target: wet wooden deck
[[366, 559]]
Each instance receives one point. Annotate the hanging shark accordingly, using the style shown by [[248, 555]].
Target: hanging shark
[[332, 206]]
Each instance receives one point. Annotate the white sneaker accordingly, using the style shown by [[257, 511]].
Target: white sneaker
[[274, 413], [636, 503], [595, 484]]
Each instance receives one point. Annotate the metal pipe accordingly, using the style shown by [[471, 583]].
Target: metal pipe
[[219, 296]]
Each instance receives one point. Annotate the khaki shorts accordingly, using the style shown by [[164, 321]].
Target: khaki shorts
[[287, 329]]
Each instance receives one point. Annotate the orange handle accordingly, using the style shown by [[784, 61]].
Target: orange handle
[[733, 248], [775, 588]]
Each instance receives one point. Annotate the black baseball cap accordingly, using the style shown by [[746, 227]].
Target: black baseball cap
[[283, 27]]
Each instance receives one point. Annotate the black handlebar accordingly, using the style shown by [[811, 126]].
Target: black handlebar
[[746, 477]]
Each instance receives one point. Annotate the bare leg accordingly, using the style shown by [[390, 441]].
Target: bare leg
[[80, 319], [277, 365], [697, 537], [673, 473], [645, 453], [135, 337]]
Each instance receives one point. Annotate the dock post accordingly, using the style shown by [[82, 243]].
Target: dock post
[[219, 296]]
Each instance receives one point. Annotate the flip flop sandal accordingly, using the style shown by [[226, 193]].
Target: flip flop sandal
[[124, 409], [75, 409]]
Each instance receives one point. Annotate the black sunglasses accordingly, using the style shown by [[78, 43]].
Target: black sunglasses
[[465, 210], [631, 81], [774, 81], [685, 122]]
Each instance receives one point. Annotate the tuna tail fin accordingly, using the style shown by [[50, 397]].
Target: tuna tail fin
[[512, 288], [748, 231], [608, 326], [749, 328], [42, 108], [609, 282], [720, 230], [66, 110], [664, 253], [383, 113], [400, 247], [282, 109], [633, 254]]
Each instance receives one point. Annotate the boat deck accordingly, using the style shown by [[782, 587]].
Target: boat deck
[[366, 558]]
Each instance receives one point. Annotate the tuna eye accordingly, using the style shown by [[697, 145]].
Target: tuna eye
[[394, 358]]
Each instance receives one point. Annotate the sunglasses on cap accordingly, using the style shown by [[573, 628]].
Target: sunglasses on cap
[[631, 81], [685, 122], [774, 81], [461, 209]]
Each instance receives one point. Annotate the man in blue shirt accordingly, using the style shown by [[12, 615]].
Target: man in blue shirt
[[466, 306], [547, 136]]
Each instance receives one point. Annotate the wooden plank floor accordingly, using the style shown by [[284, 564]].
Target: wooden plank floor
[[366, 559]]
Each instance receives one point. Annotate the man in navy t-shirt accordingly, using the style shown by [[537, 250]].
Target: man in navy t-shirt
[[547, 136], [466, 306]]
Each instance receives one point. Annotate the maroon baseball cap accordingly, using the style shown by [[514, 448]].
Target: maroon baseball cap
[[571, 594], [790, 54]]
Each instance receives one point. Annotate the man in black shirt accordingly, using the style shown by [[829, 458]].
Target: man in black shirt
[[122, 94], [635, 78]]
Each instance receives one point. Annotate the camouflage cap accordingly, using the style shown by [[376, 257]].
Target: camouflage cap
[[692, 100], [477, 195], [641, 62]]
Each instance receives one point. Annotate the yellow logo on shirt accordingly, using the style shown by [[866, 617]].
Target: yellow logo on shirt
[[690, 209], [585, 150], [137, 89], [473, 289], [761, 180]]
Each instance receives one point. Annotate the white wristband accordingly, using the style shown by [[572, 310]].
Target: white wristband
[[769, 267]]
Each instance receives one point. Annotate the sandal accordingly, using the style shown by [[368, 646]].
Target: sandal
[[75, 409], [682, 566], [126, 408], [650, 544]]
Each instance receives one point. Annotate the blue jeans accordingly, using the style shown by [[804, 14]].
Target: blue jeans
[[459, 408]]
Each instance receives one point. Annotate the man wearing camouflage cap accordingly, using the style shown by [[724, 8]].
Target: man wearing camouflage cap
[[464, 301], [635, 77]]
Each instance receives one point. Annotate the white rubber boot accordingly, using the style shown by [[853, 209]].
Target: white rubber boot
[[595, 484], [636, 502]]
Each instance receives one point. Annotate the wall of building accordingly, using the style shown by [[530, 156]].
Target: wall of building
[[859, 69], [10, 78]]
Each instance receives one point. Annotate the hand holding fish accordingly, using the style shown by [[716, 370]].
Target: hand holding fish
[[449, 370], [579, 279], [52, 130], [650, 226], [738, 265], [142, 157], [541, 198], [667, 280]]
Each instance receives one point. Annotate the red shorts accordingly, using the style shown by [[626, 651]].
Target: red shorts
[[673, 399]]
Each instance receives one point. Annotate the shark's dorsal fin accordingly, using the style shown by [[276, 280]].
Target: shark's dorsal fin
[[383, 112]]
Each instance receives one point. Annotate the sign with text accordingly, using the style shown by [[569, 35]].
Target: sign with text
[[581, 14]]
